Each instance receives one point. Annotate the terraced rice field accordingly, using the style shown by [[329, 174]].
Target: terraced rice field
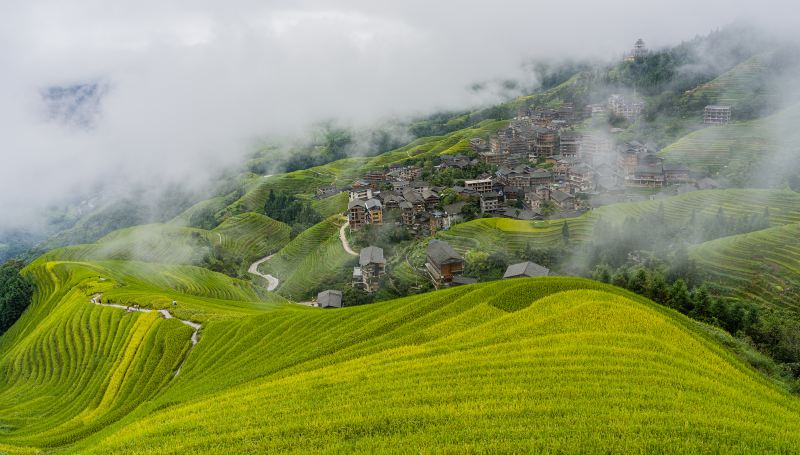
[[737, 145], [491, 234], [70, 368], [164, 243], [332, 205], [245, 237], [760, 267], [315, 256], [252, 235], [514, 366], [733, 86], [215, 204]]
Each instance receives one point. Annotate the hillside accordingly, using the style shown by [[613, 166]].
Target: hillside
[[197, 332], [759, 267], [493, 234], [742, 150], [310, 260], [732, 87], [233, 245], [563, 363]]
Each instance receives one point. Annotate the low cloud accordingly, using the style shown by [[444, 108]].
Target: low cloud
[[149, 92]]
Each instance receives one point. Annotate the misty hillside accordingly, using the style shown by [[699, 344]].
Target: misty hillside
[[590, 256]]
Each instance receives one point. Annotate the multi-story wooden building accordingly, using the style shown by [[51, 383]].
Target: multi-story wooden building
[[443, 263], [479, 185], [373, 267]]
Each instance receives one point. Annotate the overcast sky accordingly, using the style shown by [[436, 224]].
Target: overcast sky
[[187, 86]]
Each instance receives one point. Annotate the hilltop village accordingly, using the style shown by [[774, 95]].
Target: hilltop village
[[547, 164]]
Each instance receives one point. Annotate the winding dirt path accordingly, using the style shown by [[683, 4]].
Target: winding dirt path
[[273, 282], [165, 314], [345, 243]]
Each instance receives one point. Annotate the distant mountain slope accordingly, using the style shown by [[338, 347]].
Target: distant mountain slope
[[761, 267], [238, 241], [734, 86], [743, 151]]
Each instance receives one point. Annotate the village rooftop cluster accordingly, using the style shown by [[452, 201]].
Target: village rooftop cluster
[[546, 164]]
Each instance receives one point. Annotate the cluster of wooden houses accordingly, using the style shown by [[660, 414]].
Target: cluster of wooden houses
[[577, 166], [444, 266]]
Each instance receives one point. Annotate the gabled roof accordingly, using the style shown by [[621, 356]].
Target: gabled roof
[[560, 196], [462, 281], [525, 269], [522, 214], [427, 194], [329, 299], [354, 203], [372, 204], [442, 253], [371, 255], [412, 196]]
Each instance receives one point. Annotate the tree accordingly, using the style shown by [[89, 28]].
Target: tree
[[565, 232], [638, 283], [16, 292], [701, 303], [601, 273], [679, 297], [621, 278], [548, 208], [657, 287]]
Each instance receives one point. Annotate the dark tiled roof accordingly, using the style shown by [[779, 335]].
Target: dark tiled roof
[[442, 253], [329, 299], [371, 255], [526, 269]]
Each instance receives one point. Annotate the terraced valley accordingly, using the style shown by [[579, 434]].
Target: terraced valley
[[588, 257], [538, 352]]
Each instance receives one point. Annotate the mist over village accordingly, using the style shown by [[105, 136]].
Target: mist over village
[[375, 227]]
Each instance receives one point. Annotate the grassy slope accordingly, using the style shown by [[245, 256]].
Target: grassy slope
[[511, 366], [515, 365], [732, 86], [245, 237], [69, 368], [490, 234], [738, 145], [310, 259], [760, 267]]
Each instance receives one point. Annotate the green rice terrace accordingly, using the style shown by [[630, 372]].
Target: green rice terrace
[[736, 145], [559, 363], [195, 326], [313, 257], [760, 266], [733, 86], [492, 234]]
